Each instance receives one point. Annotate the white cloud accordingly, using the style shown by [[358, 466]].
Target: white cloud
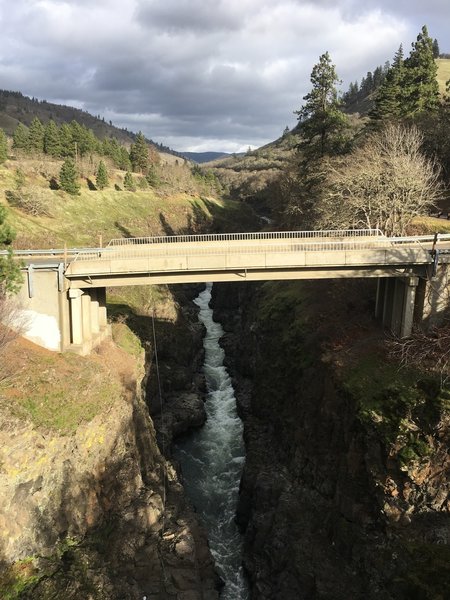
[[195, 72]]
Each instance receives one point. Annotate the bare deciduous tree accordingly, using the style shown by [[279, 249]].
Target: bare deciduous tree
[[384, 184]]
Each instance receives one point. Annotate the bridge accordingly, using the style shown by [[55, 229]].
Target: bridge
[[63, 297]]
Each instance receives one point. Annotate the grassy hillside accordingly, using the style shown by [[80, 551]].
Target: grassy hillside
[[443, 73]]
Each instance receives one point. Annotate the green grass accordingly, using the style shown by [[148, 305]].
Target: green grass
[[443, 74], [403, 405]]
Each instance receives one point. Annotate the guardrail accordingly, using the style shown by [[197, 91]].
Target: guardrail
[[257, 235], [358, 239]]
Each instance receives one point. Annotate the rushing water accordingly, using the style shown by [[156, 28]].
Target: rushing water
[[212, 459]]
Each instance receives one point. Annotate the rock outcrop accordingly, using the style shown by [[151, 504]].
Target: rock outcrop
[[345, 490], [99, 513]]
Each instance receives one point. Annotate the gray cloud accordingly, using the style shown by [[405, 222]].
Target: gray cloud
[[197, 74]]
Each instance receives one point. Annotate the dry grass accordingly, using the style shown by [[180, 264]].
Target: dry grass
[[443, 74], [58, 392]]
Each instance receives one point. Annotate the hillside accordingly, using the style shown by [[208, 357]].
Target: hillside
[[17, 108], [443, 73]]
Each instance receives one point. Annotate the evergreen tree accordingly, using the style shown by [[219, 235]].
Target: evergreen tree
[[102, 176], [390, 95], [36, 136], [68, 177], [128, 182], [436, 51], [421, 85], [321, 121], [52, 142], [66, 142], [139, 154], [3, 146], [124, 163], [20, 137]]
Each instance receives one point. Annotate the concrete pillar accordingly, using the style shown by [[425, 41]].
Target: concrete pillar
[[388, 303], [86, 317], [410, 287], [101, 299], [379, 302], [64, 319], [95, 323], [76, 317], [397, 305]]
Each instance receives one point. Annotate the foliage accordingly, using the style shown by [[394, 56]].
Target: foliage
[[52, 141], [322, 123], [128, 182], [10, 276], [383, 184], [68, 177], [139, 155], [36, 136], [19, 178], [3, 146], [410, 88], [102, 176], [20, 137]]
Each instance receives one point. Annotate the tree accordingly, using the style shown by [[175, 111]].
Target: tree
[[52, 142], [3, 146], [66, 142], [436, 50], [322, 123], [102, 176], [421, 85], [68, 177], [139, 154], [390, 95], [384, 184], [20, 137], [10, 276], [128, 182], [36, 136]]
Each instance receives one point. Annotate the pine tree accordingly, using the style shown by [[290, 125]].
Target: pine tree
[[102, 176], [68, 177], [321, 120], [66, 142], [128, 182], [421, 85], [124, 163], [20, 137], [139, 154], [436, 50], [36, 136], [3, 146], [390, 95], [52, 142]]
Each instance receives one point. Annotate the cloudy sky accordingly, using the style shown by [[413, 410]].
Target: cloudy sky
[[200, 74]]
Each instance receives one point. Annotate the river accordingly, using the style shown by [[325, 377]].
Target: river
[[212, 458]]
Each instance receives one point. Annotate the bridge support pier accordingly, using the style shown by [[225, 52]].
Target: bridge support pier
[[88, 324], [395, 303]]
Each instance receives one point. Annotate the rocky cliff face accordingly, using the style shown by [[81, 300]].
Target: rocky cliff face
[[98, 513], [345, 491]]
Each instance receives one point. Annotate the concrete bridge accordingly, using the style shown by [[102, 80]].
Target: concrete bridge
[[63, 298]]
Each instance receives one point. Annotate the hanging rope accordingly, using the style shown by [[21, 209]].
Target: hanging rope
[[163, 445]]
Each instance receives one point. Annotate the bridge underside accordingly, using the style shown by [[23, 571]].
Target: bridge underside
[[220, 275]]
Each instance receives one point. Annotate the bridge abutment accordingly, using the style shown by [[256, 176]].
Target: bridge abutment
[[57, 317]]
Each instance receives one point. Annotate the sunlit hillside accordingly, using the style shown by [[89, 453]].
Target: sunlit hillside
[[443, 73]]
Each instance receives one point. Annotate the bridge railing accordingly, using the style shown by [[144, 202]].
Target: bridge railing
[[257, 235]]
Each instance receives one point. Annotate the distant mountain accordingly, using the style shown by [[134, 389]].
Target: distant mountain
[[203, 157]]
